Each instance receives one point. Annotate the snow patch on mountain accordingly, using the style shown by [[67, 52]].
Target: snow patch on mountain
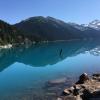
[[95, 24]]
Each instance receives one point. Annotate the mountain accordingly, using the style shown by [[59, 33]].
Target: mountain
[[95, 24], [9, 34], [82, 27], [47, 29]]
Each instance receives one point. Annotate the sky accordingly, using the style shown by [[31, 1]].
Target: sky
[[77, 11]]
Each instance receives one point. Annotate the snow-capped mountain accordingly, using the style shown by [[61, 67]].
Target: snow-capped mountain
[[81, 27], [95, 24]]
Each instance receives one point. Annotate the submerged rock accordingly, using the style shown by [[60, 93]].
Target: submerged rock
[[59, 99], [58, 81]]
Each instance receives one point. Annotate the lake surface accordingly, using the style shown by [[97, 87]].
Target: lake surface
[[25, 72]]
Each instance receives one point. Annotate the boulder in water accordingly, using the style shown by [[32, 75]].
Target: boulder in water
[[82, 79]]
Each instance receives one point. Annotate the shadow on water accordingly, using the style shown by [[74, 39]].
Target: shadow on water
[[44, 54]]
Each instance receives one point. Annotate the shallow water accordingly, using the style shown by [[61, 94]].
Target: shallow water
[[25, 71]]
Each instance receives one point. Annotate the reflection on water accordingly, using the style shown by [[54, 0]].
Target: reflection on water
[[46, 54], [25, 71]]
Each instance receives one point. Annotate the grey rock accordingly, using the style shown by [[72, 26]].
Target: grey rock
[[82, 79], [85, 89]]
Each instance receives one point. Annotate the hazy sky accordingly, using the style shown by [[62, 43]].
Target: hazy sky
[[79, 11]]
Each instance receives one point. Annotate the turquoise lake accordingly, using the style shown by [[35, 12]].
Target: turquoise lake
[[25, 71]]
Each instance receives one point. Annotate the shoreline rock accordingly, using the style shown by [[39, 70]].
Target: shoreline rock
[[84, 89]]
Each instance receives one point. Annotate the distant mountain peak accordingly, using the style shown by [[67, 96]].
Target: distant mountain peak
[[33, 18], [95, 24], [95, 21]]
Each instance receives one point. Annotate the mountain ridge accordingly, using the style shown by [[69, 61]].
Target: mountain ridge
[[41, 28]]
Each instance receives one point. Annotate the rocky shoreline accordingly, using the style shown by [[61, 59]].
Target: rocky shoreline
[[86, 88]]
